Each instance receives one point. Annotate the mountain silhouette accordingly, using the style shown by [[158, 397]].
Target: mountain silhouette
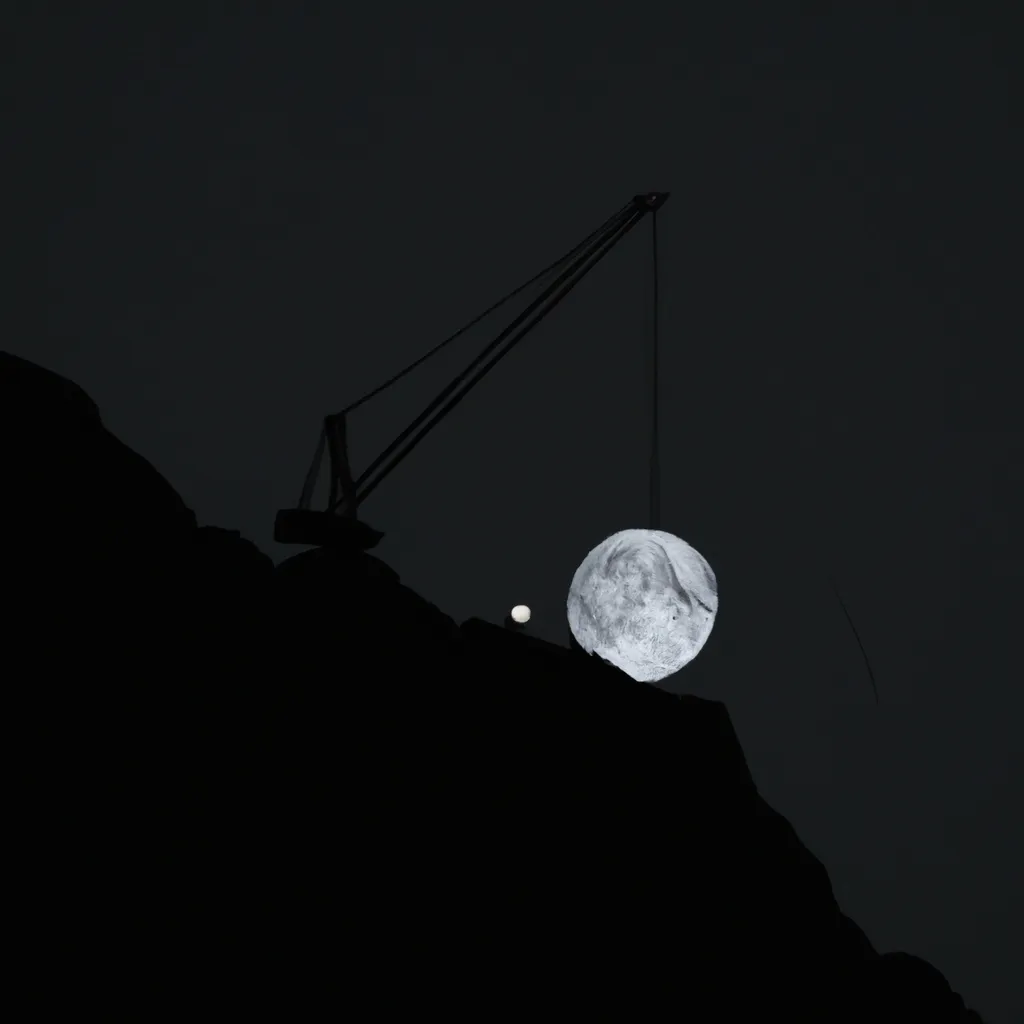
[[234, 777]]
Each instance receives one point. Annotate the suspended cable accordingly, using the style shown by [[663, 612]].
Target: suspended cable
[[655, 468], [864, 653], [566, 279]]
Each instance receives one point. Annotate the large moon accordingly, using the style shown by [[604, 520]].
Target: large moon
[[645, 601]]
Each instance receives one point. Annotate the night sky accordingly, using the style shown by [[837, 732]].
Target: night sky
[[230, 224]]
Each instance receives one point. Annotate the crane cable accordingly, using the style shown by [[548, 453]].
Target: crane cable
[[622, 223], [312, 475], [654, 496], [655, 467]]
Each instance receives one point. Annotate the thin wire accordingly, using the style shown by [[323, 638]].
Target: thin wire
[[655, 480], [461, 378], [607, 245], [863, 652], [472, 323], [313, 474]]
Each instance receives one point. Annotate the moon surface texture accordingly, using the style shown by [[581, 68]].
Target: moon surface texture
[[645, 601]]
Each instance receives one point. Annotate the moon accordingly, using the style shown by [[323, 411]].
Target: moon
[[521, 614], [645, 601]]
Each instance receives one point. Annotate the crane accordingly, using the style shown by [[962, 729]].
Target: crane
[[338, 524]]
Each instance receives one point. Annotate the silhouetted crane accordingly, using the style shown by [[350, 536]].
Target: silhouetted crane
[[338, 523]]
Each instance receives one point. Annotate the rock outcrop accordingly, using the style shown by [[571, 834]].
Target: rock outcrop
[[233, 776]]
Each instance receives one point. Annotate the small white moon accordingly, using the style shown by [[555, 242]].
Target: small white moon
[[645, 601], [521, 614]]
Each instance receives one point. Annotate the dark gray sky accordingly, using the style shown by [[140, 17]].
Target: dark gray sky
[[232, 224]]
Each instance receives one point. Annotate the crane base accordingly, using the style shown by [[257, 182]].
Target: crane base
[[324, 530]]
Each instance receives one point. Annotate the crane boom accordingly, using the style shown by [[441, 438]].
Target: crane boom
[[338, 525]]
